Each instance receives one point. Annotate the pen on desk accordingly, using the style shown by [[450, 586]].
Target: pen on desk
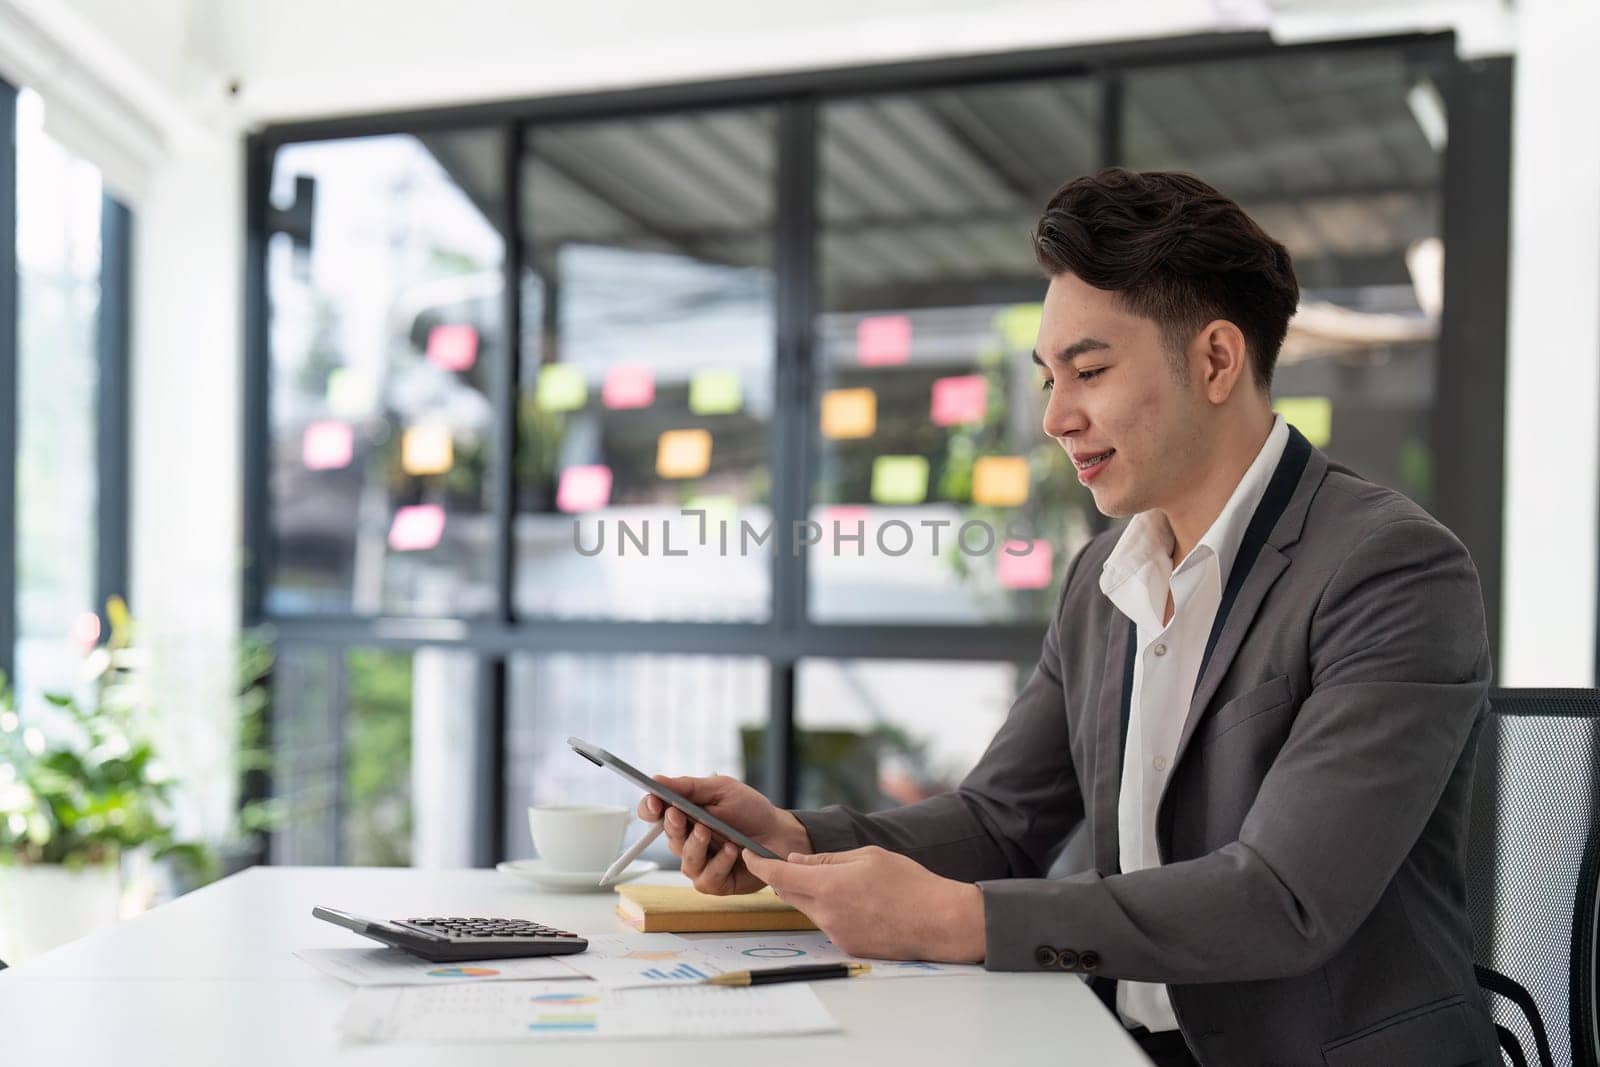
[[803, 973], [633, 853]]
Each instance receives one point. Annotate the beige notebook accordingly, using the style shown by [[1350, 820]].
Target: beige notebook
[[680, 909]]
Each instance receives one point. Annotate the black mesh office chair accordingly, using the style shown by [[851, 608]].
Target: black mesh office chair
[[1533, 861]]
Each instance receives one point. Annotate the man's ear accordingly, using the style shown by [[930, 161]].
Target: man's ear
[[1224, 360]]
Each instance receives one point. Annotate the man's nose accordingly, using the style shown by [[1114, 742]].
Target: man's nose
[[1062, 416]]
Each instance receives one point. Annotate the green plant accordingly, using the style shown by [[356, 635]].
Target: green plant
[[83, 784]]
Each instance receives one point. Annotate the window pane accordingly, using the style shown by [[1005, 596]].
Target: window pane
[[932, 462], [374, 753], [1339, 156], [385, 301], [663, 714], [875, 734], [58, 262], [648, 333]]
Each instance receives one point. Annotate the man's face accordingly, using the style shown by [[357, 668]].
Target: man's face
[[1131, 427]]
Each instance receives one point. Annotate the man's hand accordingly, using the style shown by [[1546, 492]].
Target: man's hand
[[872, 902], [711, 862]]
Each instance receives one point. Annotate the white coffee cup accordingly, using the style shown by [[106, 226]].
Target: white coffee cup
[[578, 837]]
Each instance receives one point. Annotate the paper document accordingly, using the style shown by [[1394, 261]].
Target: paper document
[[625, 961], [749, 953], [392, 966], [523, 1011]]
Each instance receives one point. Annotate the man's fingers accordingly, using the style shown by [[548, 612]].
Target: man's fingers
[[718, 869], [788, 879]]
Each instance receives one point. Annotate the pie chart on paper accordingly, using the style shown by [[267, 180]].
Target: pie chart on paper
[[463, 972]]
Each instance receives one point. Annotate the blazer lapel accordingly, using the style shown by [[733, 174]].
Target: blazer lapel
[[1268, 566], [1107, 776]]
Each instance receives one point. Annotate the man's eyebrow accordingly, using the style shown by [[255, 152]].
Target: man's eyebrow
[[1074, 350]]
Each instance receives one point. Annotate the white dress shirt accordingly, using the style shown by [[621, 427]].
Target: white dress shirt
[[1137, 577]]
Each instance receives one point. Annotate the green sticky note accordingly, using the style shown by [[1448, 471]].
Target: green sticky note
[[561, 388], [715, 392], [1019, 325], [718, 506], [899, 480], [1311, 415]]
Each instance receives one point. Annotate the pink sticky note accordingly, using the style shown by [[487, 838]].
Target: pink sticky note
[[584, 488], [453, 345], [883, 340], [629, 385], [959, 400], [328, 445], [416, 528], [1031, 571]]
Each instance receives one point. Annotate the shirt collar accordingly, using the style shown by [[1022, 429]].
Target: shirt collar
[[1147, 541]]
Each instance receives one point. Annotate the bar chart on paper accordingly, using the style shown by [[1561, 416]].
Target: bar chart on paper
[[682, 972]]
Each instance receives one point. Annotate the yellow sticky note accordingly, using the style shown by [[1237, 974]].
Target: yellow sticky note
[[715, 392], [1019, 325], [1311, 415], [1000, 481], [683, 453], [426, 450], [899, 479], [561, 388], [849, 413]]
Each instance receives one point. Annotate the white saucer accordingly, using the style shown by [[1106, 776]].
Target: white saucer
[[539, 874]]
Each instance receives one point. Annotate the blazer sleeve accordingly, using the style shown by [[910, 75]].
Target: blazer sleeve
[[1399, 674], [1010, 816]]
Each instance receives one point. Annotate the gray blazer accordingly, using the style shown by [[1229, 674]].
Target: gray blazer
[[1311, 905]]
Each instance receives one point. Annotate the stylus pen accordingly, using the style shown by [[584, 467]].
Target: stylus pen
[[633, 853], [805, 972]]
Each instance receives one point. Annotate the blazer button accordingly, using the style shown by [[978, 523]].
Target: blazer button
[[1045, 956], [1089, 959], [1069, 960]]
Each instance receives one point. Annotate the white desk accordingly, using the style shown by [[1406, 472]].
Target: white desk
[[210, 979]]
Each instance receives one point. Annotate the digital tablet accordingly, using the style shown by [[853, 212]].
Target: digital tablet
[[601, 758]]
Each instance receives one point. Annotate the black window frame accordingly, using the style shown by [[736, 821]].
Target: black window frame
[[1468, 421]]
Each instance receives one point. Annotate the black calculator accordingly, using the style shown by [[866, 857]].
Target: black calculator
[[446, 939]]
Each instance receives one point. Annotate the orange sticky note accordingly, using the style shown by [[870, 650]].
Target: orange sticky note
[[1000, 481], [849, 413], [958, 400], [417, 528], [1031, 570], [683, 453], [426, 450], [453, 346], [327, 445], [584, 488], [883, 340]]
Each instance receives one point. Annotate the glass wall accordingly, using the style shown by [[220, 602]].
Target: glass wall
[[939, 496], [1341, 157], [647, 367], [386, 327], [524, 376], [372, 750]]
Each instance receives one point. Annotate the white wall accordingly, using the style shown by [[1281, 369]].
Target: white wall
[[1553, 380]]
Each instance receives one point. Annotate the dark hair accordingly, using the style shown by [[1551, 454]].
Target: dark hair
[[1177, 252]]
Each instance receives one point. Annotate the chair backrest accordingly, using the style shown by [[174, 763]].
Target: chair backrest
[[1533, 862]]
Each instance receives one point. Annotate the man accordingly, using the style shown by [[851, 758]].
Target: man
[[1263, 695]]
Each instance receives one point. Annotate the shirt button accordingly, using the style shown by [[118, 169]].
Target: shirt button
[[1160, 650], [1160, 763], [1045, 956]]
